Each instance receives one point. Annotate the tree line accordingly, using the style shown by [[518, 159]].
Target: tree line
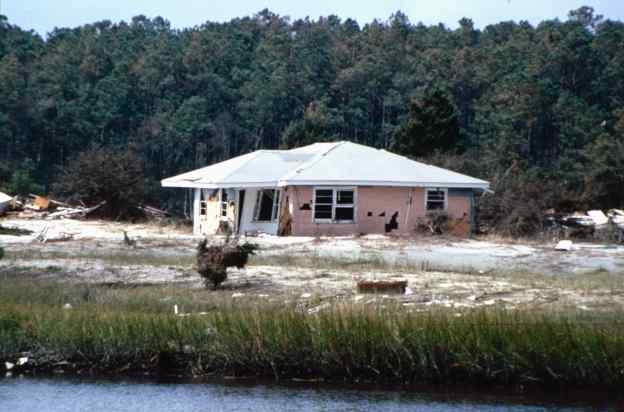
[[537, 110]]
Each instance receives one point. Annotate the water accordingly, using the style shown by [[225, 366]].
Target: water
[[56, 395]]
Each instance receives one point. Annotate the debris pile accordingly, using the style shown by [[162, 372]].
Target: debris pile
[[42, 207], [590, 224], [617, 217]]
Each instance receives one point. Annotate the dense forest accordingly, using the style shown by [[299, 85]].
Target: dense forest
[[537, 110]]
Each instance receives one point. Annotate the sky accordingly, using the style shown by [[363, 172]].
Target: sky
[[43, 15]]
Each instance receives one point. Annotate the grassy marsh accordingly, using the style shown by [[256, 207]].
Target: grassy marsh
[[134, 330]]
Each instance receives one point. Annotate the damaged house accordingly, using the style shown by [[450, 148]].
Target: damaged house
[[338, 188]]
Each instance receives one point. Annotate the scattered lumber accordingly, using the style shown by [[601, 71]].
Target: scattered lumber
[[42, 203], [153, 212], [65, 212]]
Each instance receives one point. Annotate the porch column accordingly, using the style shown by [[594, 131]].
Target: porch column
[[196, 198]]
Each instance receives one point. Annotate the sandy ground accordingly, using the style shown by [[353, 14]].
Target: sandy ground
[[440, 272]]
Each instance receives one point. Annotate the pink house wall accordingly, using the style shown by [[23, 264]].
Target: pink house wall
[[375, 207]]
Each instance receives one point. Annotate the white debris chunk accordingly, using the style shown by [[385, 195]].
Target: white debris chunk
[[408, 291], [598, 217], [22, 361], [564, 245], [318, 308], [8, 365]]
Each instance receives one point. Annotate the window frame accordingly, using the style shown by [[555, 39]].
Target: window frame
[[203, 203], [436, 189], [335, 204], [223, 205]]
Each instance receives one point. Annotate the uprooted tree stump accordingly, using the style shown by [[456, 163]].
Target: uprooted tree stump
[[213, 261]]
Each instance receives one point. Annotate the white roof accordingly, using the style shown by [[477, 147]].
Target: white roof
[[338, 163]]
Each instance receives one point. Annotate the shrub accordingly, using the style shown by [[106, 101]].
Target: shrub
[[514, 212], [213, 261], [517, 207], [105, 175]]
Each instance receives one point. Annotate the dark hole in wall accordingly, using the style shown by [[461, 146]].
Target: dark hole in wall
[[382, 214], [305, 206], [370, 214], [266, 205], [394, 222]]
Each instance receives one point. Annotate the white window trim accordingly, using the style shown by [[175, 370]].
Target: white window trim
[[335, 204], [256, 210], [436, 189], [202, 199]]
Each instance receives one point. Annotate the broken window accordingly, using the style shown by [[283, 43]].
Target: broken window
[[436, 199], [345, 207], [334, 205], [267, 205]]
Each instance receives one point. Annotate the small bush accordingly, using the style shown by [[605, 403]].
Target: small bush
[[213, 261]]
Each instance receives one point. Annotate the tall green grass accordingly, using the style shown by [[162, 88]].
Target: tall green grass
[[104, 331]]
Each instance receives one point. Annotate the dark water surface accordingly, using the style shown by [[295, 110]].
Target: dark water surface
[[64, 395]]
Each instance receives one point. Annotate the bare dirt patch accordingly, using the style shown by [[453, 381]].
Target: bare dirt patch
[[440, 272]]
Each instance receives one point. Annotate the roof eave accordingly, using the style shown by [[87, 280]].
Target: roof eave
[[454, 185], [203, 185]]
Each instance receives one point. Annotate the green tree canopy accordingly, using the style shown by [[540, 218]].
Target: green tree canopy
[[432, 126]]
